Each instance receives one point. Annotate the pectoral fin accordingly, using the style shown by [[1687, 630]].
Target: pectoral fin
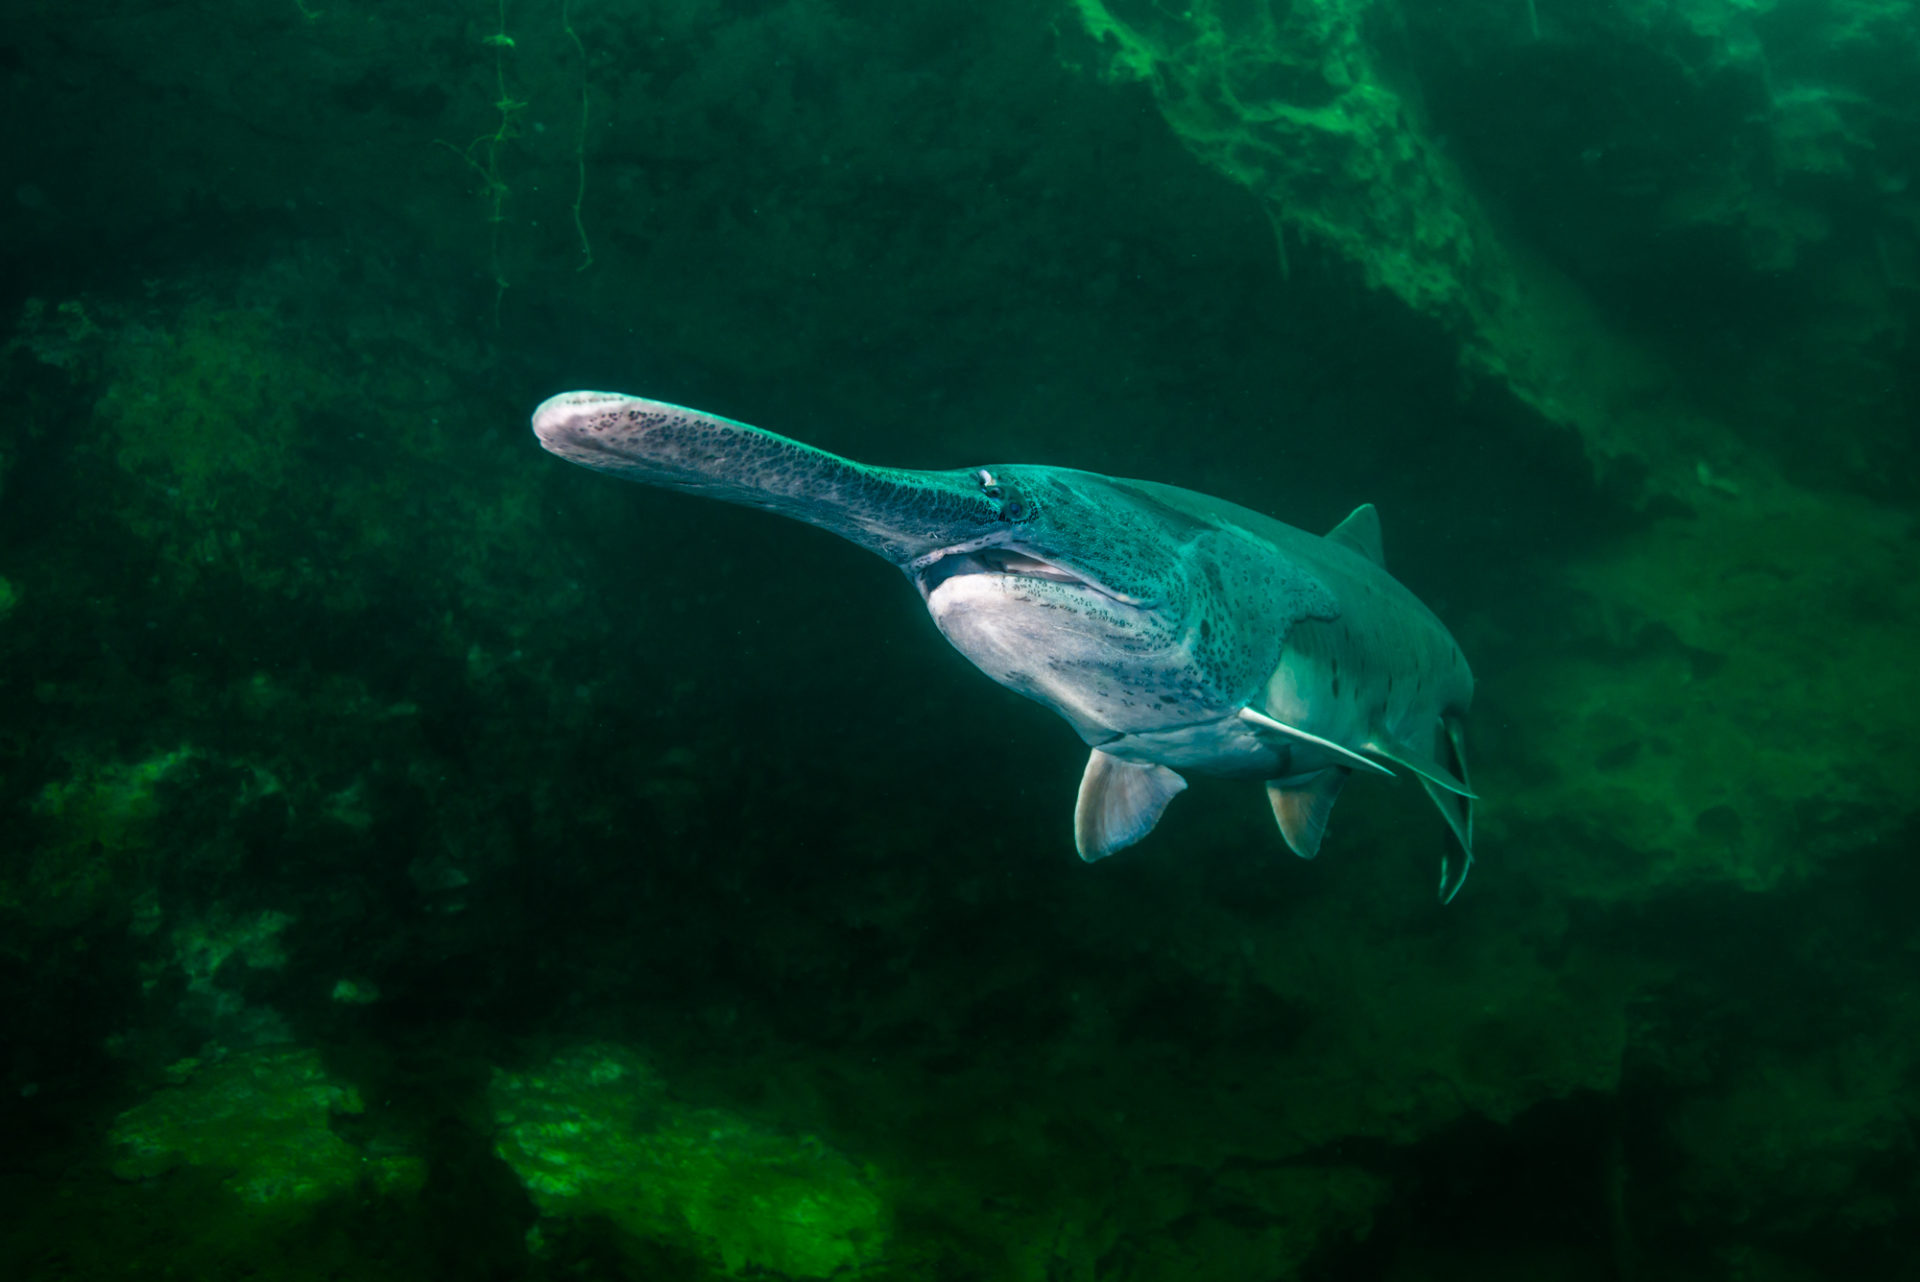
[[1120, 802], [1302, 806], [1295, 734]]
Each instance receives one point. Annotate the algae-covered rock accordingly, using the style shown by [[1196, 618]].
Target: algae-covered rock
[[1534, 177], [1309, 107], [264, 1118], [111, 805], [595, 1133], [1742, 709], [92, 825]]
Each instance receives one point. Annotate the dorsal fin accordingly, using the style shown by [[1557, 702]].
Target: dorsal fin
[[1361, 532]]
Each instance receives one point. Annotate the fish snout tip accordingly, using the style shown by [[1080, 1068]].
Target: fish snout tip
[[561, 417]]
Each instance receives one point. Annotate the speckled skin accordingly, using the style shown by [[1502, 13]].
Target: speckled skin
[[1146, 615]]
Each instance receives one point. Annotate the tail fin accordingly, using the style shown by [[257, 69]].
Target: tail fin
[[1442, 771], [1456, 807]]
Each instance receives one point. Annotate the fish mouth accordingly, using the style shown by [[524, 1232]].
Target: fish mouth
[[1008, 560]]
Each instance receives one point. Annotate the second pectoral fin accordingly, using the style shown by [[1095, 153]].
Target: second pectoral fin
[[1301, 807], [1119, 803]]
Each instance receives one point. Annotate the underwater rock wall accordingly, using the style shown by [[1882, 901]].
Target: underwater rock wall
[[1637, 219]]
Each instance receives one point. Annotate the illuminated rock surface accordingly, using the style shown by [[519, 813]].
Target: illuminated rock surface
[[263, 1122], [594, 1133]]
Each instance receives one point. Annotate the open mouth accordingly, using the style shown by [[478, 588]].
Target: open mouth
[[951, 563]]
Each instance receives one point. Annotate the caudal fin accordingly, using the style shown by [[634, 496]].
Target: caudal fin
[[1455, 806]]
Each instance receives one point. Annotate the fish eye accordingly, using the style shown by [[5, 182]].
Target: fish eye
[[1013, 505]]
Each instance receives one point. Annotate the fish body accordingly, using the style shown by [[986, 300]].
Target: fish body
[[1173, 631]]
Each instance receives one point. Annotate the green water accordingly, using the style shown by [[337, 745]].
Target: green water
[[420, 858]]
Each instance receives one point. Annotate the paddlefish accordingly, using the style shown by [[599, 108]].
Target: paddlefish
[[1173, 631]]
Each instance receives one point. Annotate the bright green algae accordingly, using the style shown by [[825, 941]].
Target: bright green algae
[[594, 1132], [265, 1119]]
